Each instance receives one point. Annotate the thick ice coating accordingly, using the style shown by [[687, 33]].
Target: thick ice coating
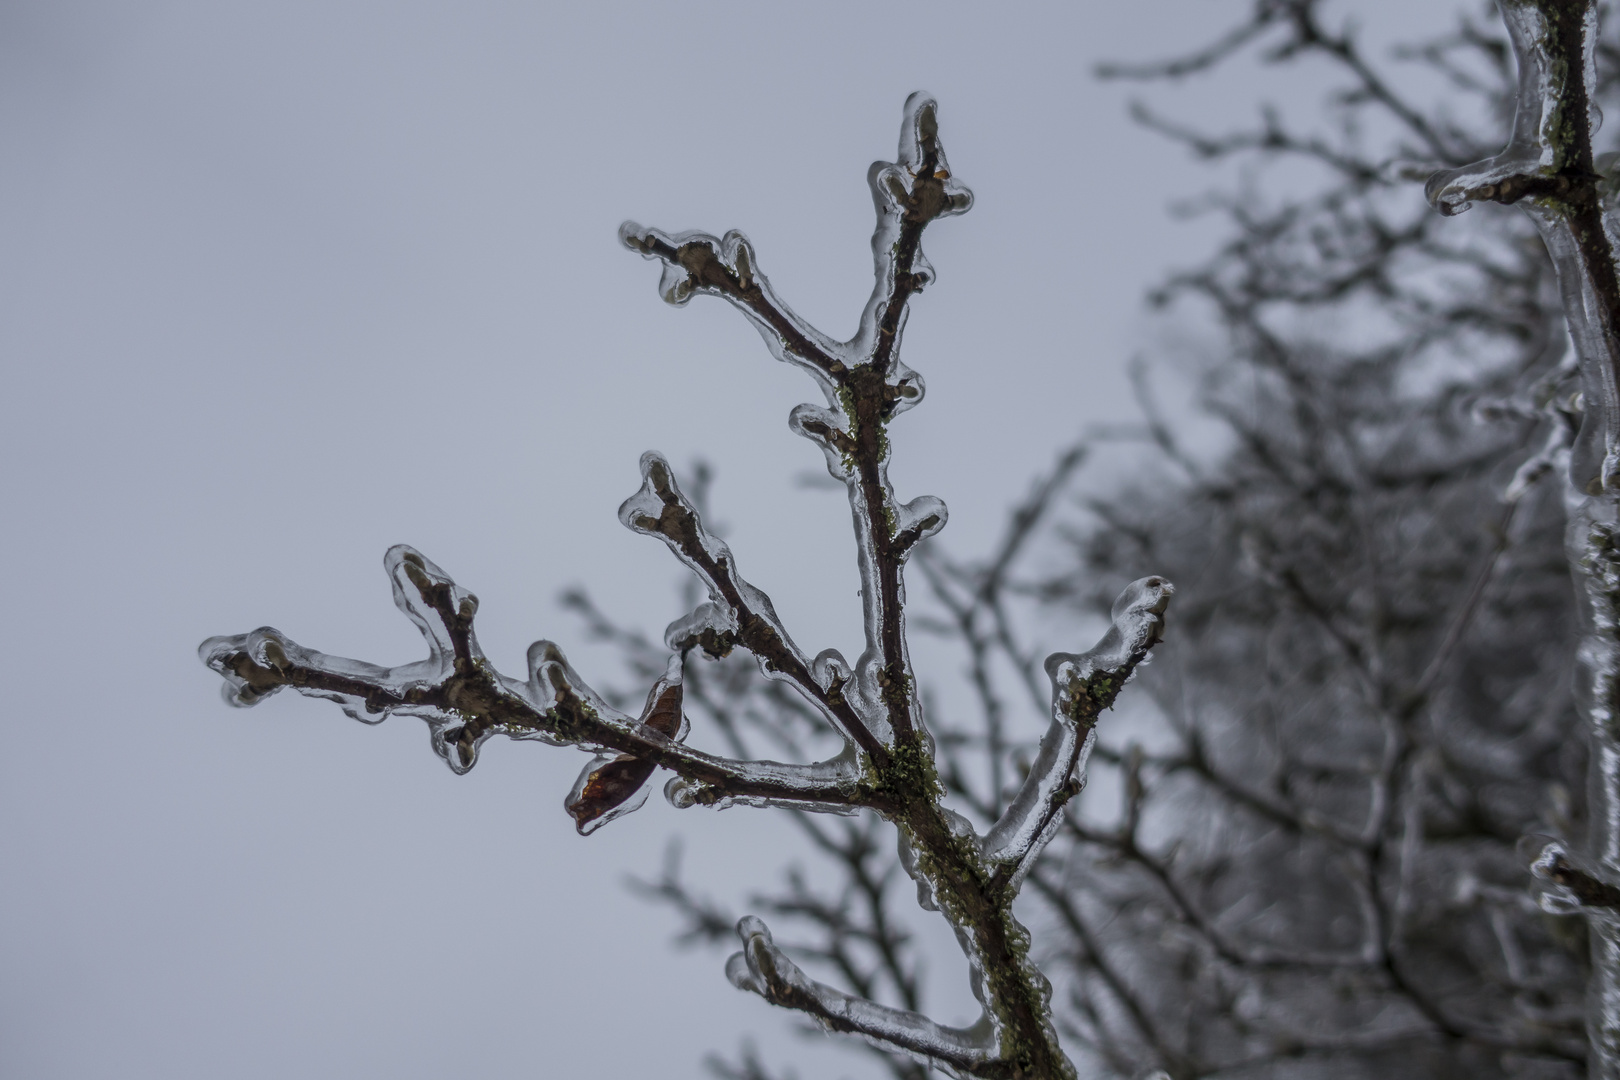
[[1549, 170], [1083, 686], [767, 971]]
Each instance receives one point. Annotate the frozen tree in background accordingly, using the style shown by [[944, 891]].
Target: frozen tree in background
[[883, 760]]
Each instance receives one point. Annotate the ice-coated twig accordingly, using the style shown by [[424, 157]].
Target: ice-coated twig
[[1083, 686], [768, 972], [695, 262], [1548, 169], [888, 761], [865, 384], [465, 700]]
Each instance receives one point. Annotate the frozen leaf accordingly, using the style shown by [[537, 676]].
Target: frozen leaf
[[612, 786]]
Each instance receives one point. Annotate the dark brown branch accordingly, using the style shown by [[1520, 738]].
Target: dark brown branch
[[865, 383]]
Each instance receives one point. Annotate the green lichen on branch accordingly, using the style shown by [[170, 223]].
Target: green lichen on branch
[[909, 776]]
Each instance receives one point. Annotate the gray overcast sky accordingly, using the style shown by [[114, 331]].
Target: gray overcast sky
[[284, 284]]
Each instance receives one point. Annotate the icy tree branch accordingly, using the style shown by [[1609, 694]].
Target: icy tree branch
[[887, 764], [1548, 168], [768, 972], [465, 700]]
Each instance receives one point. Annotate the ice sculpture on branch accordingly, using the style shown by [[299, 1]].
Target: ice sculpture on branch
[[887, 765], [1549, 169]]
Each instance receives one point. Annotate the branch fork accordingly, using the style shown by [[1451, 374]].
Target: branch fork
[[1548, 168]]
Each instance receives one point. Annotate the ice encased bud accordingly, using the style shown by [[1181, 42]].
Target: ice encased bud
[[1137, 624], [920, 518], [830, 669], [919, 140]]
